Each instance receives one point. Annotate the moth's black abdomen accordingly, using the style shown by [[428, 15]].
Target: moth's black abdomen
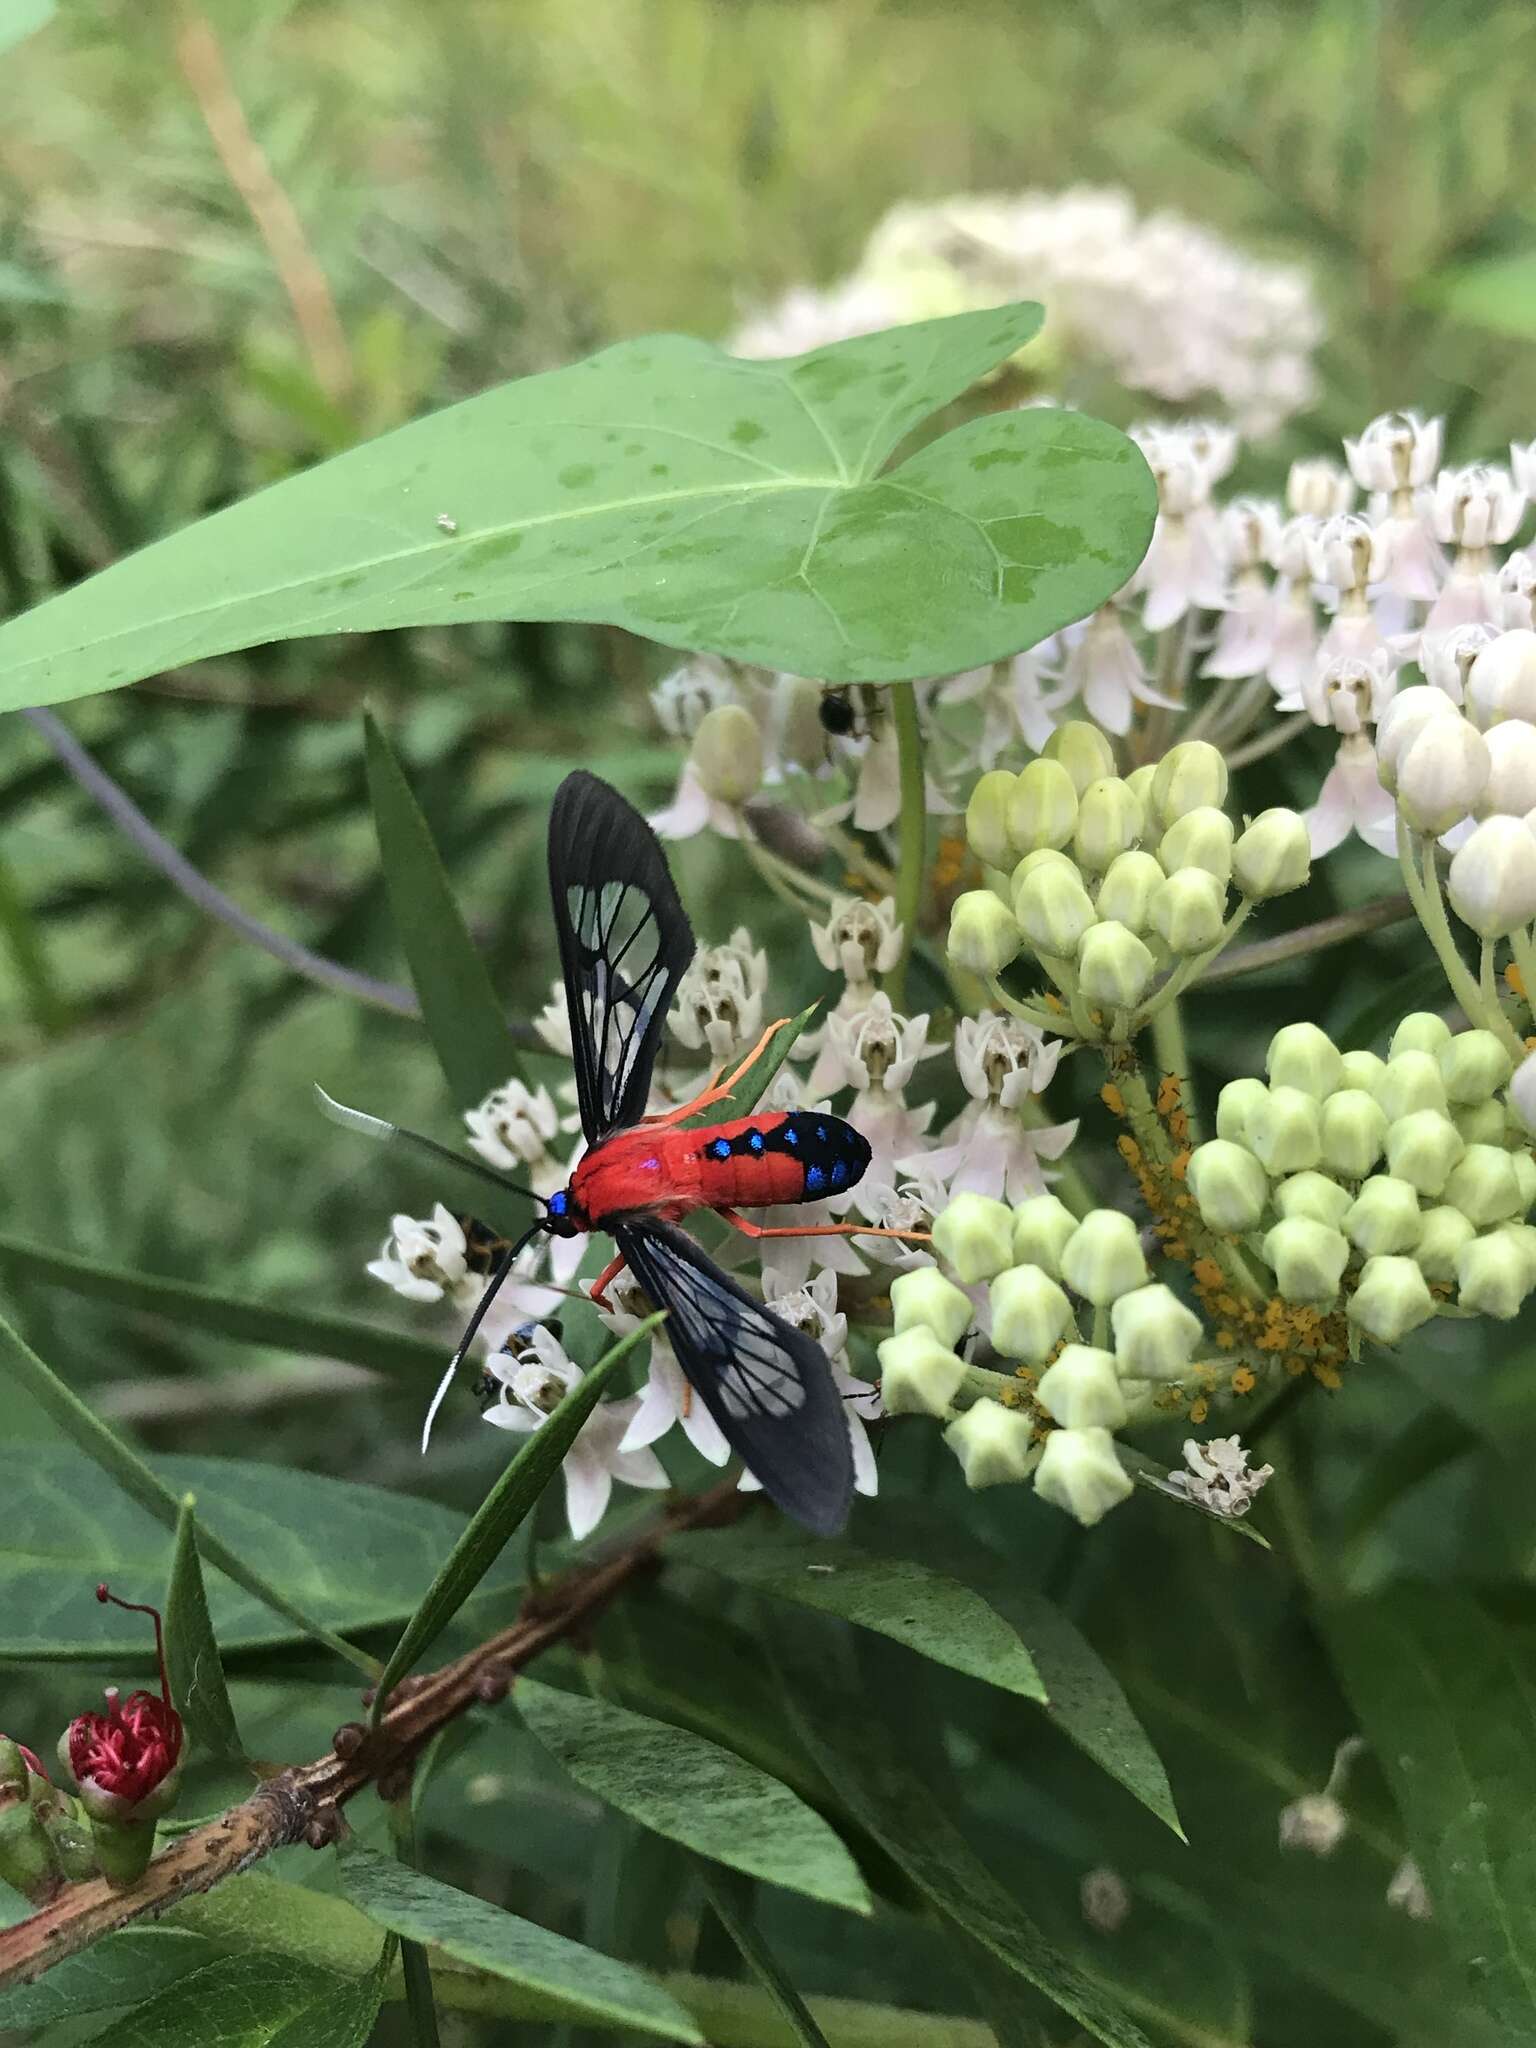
[[832, 1153]]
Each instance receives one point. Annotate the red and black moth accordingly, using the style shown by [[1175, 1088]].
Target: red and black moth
[[625, 943]]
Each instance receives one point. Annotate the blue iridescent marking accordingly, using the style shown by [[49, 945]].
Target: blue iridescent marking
[[650, 1166], [721, 1148], [839, 1173], [791, 1135], [756, 1141], [557, 1203], [821, 1131], [814, 1176]]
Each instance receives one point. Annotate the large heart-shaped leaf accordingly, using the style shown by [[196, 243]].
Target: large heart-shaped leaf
[[666, 487], [355, 1555]]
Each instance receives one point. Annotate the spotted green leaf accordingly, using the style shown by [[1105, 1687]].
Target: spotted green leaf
[[663, 486]]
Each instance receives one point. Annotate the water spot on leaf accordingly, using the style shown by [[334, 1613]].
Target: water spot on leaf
[[661, 469], [576, 475], [745, 432], [495, 549], [992, 458]]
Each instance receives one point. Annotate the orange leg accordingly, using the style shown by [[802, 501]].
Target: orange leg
[[611, 1271], [717, 1090], [740, 1222]]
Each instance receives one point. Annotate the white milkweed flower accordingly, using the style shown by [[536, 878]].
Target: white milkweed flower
[[1347, 552], [907, 1203], [531, 1380], [1398, 451], [1474, 508], [553, 1023], [876, 1051], [1185, 565], [812, 1307], [1217, 1476], [1293, 617], [1516, 587], [1447, 656], [687, 694], [859, 939], [1103, 667], [666, 1398], [1318, 488], [1349, 692], [1352, 800], [1245, 633], [1018, 702], [988, 1149], [514, 1126], [719, 1002], [1522, 465], [425, 1259]]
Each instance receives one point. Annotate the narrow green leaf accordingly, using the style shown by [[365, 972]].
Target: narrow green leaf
[[731, 1897], [128, 1470], [1447, 1699], [464, 1020], [122, 1970], [915, 1606], [192, 1651], [666, 487], [754, 1084], [225, 1315], [866, 1761], [693, 1791], [496, 1519], [1148, 1473], [253, 2001], [1496, 293], [466, 1928], [22, 18], [358, 1556]]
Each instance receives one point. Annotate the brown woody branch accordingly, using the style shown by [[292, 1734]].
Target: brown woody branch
[[304, 1804]]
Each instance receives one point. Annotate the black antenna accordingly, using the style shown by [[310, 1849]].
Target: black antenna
[[492, 1288]]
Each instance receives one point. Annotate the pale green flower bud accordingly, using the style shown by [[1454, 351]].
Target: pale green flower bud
[[1522, 1093], [1391, 1299], [1314, 1196], [1525, 1177], [918, 1374], [1441, 773], [1114, 967], [1273, 856], [1402, 721], [1422, 1149], [1156, 1336], [994, 1444], [1041, 1228], [1440, 1243], [1421, 1031], [1030, 1313], [1042, 807], [1190, 776], [974, 1235], [1492, 882], [1483, 1123], [1285, 1131], [1524, 1235], [1237, 1105], [1200, 839], [1079, 1472], [1485, 1186], [1082, 750], [1189, 910], [1308, 1260], [1104, 1259], [1141, 781], [1055, 910], [1501, 682], [1229, 1185], [1045, 857], [1474, 1066], [924, 1300], [1363, 1070], [1125, 894], [1384, 1216], [983, 934], [986, 818], [1354, 1130], [1305, 1057], [1081, 1389], [728, 754], [27, 1860], [1000, 882], [1411, 1081], [1493, 1275], [1109, 823]]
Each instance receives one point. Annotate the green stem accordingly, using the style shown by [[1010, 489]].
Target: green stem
[[1423, 879], [759, 858], [912, 836], [1270, 742], [1172, 1052], [1157, 1149], [1191, 969], [1029, 1013], [1525, 960], [849, 851], [798, 877]]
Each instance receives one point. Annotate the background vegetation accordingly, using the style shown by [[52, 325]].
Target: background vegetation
[[458, 195]]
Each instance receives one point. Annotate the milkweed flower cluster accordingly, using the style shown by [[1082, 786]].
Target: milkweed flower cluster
[[1160, 304]]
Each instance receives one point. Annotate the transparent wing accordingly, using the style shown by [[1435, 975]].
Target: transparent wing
[[625, 943], [768, 1386]]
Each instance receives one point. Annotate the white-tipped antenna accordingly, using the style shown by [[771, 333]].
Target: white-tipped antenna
[[355, 1119], [396, 1134], [493, 1287]]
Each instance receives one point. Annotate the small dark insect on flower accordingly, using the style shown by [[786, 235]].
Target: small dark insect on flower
[[121, 1757], [849, 713]]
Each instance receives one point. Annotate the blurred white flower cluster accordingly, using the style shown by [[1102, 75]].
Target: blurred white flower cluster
[[1159, 303]]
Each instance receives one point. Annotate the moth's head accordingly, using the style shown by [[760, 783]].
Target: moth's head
[[564, 1215]]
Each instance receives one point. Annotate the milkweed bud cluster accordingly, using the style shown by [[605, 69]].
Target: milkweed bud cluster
[[1373, 1185], [1045, 1272], [1113, 878]]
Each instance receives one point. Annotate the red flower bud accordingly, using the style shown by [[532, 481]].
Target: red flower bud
[[135, 1745], [28, 1758]]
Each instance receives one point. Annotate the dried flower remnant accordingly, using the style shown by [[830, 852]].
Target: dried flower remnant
[[1217, 1476]]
